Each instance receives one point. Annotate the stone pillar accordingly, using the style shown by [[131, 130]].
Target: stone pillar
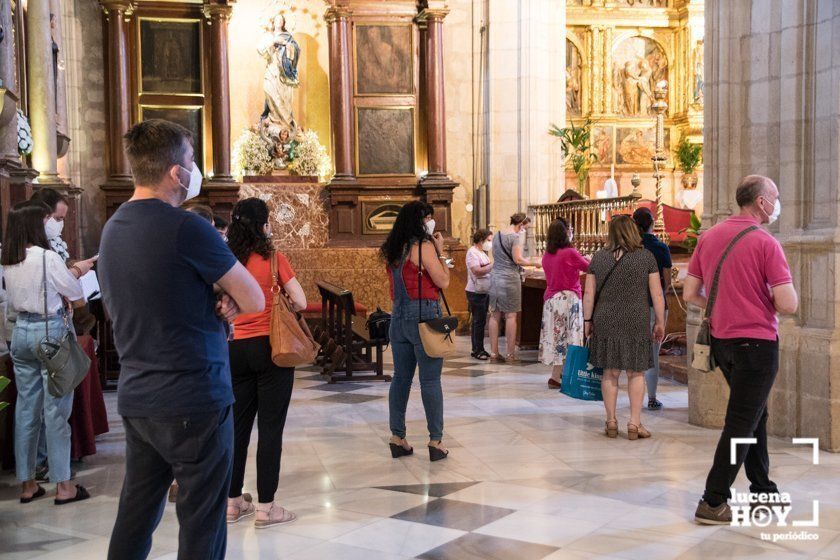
[[119, 116], [435, 103], [341, 93], [62, 136], [771, 104], [41, 81], [218, 17]]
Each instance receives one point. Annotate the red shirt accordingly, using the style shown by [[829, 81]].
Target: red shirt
[[744, 306], [259, 324], [562, 271], [409, 277]]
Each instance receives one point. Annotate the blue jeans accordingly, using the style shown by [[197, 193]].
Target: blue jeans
[[409, 355], [35, 404]]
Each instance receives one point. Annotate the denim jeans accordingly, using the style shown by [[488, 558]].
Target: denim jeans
[[409, 354], [750, 367], [478, 310], [652, 375], [196, 450], [35, 404]]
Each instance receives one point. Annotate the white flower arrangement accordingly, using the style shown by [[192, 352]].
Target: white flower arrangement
[[310, 157], [251, 154], [24, 134]]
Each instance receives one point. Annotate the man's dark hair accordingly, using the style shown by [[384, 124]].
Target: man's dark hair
[[202, 210], [751, 187], [220, 222], [153, 146], [50, 197], [644, 219], [24, 227], [480, 235]]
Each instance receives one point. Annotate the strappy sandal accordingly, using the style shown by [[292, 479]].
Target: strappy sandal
[[37, 494], [81, 494], [611, 428], [399, 447], [240, 508], [437, 451], [274, 514], [636, 432]]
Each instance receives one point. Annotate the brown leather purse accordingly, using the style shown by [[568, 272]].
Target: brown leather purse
[[292, 343]]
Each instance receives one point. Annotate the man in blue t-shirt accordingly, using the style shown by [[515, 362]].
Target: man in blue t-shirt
[[158, 267]]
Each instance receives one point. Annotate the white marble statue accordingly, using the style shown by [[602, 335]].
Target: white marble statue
[[281, 53]]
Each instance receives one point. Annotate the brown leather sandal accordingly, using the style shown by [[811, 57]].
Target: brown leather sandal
[[636, 432], [611, 428]]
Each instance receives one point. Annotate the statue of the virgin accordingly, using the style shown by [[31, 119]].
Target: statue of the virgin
[[281, 52]]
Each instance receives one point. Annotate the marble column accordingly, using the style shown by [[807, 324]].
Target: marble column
[[435, 104], [772, 108], [218, 17], [341, 93], [42, 114], [119, 117], [63, 139]]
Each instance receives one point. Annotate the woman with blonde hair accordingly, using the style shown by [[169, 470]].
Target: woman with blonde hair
[[616, 313]]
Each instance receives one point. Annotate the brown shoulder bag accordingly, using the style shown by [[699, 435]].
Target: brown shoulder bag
[[292, 343]]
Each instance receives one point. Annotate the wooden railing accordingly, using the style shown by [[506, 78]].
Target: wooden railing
[[588, 218]]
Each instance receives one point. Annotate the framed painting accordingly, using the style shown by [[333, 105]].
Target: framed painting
[[383, 58], [602, 144], [189, 117], [637, 146], [170, 56], [385, 140]]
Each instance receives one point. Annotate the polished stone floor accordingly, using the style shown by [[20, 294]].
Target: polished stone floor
[[530, 476]]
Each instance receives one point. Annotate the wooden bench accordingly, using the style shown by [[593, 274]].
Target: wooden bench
[[349, 353]]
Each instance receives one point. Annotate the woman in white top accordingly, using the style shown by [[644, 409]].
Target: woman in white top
[[478, 286], [26, 250]]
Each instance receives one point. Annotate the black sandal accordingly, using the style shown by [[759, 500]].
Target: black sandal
[[38, 493], [81, 494], [483, 356]]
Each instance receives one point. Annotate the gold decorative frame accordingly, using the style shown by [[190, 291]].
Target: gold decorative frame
[[411, 108], [412, 58], [139, 47]]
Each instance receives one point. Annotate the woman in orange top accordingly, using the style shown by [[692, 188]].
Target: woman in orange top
[[259, 387]]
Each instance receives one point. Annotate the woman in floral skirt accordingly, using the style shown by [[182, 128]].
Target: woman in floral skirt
[[562, 322]]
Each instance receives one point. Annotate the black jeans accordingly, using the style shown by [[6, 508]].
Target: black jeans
[[478, 310], [260, 387], [196, 449], [750, 367]]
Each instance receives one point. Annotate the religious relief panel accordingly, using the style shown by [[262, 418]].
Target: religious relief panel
[[170, 56], [385, 140], [602, 144], [639, 64], [383, 60], [697, 66], [574, 79], [638, 145]]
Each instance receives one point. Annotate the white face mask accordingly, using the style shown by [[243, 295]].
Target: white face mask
[[53, 228], [487, 246], [777, 211], [195, 182], [430, 227]]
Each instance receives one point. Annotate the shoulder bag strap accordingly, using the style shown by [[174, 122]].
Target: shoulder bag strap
[[420, 281], [713, 292], [275, 280], [46, 310], [504, 249], [604, 283]]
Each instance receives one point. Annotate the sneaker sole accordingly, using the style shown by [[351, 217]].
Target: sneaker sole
[[704, 521], [267, 524]]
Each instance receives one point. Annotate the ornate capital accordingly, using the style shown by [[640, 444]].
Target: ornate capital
[[123, 8], [336, 13], [217, 12], [431, 14]]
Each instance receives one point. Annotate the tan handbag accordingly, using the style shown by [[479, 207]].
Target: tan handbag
[[292, 344], [438, 334], [701, 355]]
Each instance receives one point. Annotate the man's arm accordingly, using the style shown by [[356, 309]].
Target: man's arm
[[691, 291], [243, 288], [785, 299]]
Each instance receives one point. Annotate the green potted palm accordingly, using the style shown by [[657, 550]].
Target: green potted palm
[[692, 233], [576, 146], [688, 156]]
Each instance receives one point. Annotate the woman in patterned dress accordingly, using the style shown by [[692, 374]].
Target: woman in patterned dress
[[617, 318]]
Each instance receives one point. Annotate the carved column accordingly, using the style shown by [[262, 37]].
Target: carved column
[[41, 91], [119, 99], [341, 93], [218, 17]]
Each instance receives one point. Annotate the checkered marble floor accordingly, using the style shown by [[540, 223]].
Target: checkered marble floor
[[530, 476]]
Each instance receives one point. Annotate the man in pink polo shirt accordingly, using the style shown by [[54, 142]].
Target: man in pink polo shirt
[[755, 284]]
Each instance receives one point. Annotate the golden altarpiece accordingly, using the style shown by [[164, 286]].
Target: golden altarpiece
[[617, 52]]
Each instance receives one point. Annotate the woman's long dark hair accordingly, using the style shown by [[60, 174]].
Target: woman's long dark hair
[[245, 233], [558, 236], [24, 227], [409, 227]]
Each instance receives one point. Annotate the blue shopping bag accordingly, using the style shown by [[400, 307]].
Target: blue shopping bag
[[581, 380]]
